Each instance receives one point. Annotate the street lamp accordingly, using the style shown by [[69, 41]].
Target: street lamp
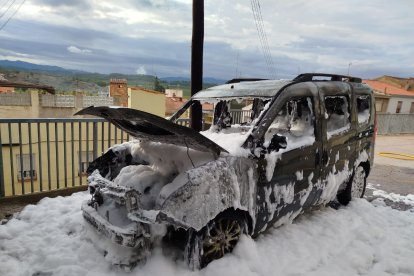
[[349, 66]]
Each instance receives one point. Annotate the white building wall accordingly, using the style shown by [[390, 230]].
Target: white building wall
[[170, 93], [406, 104]]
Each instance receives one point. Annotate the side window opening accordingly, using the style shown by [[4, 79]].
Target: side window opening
[[337, 115], [295, 122], [363, 107]]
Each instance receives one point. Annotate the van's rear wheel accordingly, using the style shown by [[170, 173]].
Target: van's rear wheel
[[355, 188], [215, 240]]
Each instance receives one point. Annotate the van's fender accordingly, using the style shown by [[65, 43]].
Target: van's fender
[[209, 190]]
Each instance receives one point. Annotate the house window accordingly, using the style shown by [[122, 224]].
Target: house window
[[26, 172], [399, 105], [412, 107], [378, 105], [337, 115], [84, 159]]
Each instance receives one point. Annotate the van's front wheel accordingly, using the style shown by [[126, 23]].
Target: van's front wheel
[[215, 240], [355, 187]]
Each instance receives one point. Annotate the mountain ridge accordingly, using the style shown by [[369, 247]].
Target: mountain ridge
[[69, 81], [27, 66]]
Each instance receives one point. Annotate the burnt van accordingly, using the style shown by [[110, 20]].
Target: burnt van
[[275, 148]]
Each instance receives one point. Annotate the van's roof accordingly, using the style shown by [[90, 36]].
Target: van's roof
[[263, 88], [239, 88]]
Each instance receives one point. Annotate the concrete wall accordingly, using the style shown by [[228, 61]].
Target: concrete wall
[[29, 111], [392, 104], [49, 106], [148, 101], [174, 93], [395, 123]]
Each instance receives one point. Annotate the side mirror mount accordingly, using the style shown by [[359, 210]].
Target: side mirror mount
[[278, 142], [259, 149]]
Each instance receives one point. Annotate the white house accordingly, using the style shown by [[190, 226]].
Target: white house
[[391, 99]]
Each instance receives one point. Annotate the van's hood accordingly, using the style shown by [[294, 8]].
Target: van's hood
[[149, 127]]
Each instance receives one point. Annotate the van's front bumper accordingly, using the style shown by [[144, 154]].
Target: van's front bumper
[[135, 235]]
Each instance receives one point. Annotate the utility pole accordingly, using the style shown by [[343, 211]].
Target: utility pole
[[349, 66], [196, 117]]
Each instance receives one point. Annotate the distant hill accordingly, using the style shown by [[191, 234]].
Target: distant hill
[[205, 80], [10, 64], [405, 83], [68, 81]]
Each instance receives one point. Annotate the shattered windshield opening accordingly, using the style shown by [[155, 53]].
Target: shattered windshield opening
[[229, 121]]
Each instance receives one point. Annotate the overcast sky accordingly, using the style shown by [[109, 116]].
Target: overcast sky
[[370, 38]]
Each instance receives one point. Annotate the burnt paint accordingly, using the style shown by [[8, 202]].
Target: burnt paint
[[320, 158]]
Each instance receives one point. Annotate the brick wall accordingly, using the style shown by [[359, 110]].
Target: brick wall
[[118, 89]]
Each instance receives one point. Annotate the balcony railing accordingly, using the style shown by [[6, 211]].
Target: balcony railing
[[39, 155], [240, 116]]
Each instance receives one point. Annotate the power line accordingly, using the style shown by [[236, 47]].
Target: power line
[[14, 13], [257, 14], [4, 4], [265, 43], [8, 8], [272, 66], [259, 32]]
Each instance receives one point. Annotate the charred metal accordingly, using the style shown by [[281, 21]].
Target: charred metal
[[305, 143]]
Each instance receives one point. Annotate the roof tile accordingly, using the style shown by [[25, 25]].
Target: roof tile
[[387, 88]]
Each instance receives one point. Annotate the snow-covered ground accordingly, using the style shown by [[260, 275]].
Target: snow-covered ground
[[51, 238]]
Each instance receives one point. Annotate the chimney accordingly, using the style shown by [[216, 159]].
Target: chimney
[[118, 89]]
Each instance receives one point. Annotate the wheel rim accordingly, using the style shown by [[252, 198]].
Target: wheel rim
[[222, 238], [358, 183]]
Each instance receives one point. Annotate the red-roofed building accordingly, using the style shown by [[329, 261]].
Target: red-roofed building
[[391, 99], [172, 104]]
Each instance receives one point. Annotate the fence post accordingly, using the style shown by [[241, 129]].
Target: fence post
[[1, 168], [95, 140]]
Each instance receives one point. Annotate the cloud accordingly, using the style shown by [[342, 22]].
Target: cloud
[[303, 35], [76, 50], [141, 71], [163, 4], [60, 3]]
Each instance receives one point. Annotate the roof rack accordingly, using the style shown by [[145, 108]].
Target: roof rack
[[334, 77], [243, 80]]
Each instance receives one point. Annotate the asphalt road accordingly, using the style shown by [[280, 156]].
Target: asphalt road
[[399, 144], [392, 175], [392, 179]]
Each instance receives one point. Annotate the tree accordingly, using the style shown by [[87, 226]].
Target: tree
[[158, 86]]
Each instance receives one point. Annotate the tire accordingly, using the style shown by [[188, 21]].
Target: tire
[[216, 239], [355, 187]]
